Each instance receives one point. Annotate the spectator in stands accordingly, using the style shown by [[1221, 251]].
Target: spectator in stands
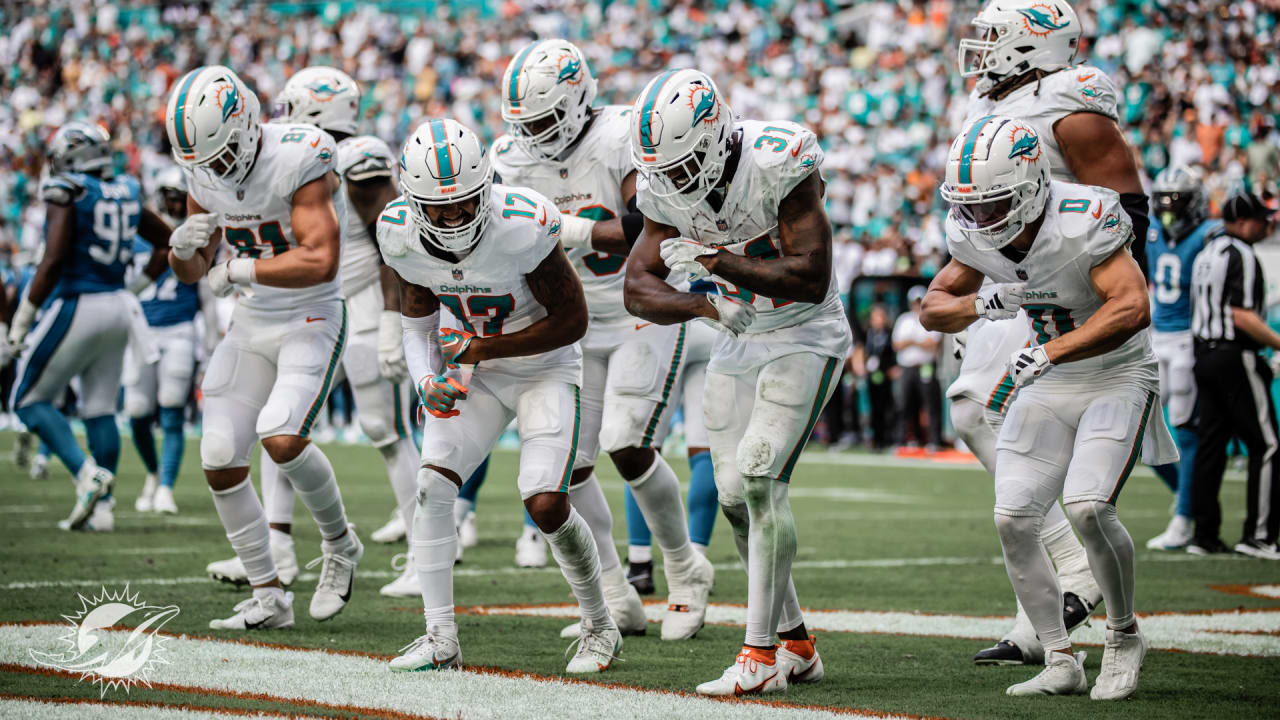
[[917, 351], [876, 361]]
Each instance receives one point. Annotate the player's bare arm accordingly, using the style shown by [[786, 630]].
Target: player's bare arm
[[156, 231], [1125, 311], [197, 266], [1252, 324], [368, 197], [802, 271], [414, 300], [949, 305], [1097, 154], [61, 222], [555, 285], [319, 236], [646, 292]]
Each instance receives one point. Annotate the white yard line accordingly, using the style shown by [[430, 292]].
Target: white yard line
[[88, 707]]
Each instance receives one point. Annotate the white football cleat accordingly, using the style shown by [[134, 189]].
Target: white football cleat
[[337, 579], [39, 469], [392, 532], [1121, 660], [531, 549], [91, 485], [597, 649], [232, 570], [406, 584], [1175, 536], [801, 660], [270, 612], [1063, 674], [624, 607], [467, 535], [102, 519], [687, 600], [755, 672], [432, 651], [162, 501], [146, 499]]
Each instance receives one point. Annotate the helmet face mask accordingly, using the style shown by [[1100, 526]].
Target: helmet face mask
[[1016, 36], [997, 181], [80, 147], [1179, 201], [446, 178], [547, 95], [213, 124], [681, 134]]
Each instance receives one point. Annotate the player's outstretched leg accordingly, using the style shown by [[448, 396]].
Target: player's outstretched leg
[[623, 600], [172, 427], [433, 546]]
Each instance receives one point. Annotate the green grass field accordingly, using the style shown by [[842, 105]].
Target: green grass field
[[890, 536]]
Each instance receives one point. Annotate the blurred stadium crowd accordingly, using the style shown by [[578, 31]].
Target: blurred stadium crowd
[[1200, 84]]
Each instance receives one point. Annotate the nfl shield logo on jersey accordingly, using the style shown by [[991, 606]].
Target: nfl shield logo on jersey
[[457, 274], [239, 194], [721, 225], [1022, 274], [564, 173]]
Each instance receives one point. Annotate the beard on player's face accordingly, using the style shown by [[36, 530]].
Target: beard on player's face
[[452, 215]]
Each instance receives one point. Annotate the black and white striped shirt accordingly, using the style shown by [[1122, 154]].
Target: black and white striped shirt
[[1226, 274]]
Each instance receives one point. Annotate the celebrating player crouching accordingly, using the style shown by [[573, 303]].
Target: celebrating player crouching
[[491, 254], [1060, 250], [270, 191], [741, 203]]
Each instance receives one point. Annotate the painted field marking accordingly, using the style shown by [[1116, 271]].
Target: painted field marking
[[1226, 632], [76, 708], [362, 683]]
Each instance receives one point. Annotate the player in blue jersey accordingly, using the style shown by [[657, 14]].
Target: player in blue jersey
[[1179, 230], [87, 315], [158, 385]]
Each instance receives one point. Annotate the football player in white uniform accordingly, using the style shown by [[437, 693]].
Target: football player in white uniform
[[1023, 59], [1062, 249], [270, 191], [741, 202], [579, 157], [373, 361], [491, 254]]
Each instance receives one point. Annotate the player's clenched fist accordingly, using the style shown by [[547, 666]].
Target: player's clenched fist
[[732, 316], [681, 255], [192, 234], [439, 395], [1000, 301], [453, 345], [1028, 364]]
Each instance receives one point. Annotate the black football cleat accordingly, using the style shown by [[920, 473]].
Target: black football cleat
[[1075, 610], [1004, 652], [640, 575]]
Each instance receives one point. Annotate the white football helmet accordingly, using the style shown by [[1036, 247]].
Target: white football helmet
[[322, 96], [997, 180], [547, 91], [680, 136], [444, 163], [214, 125], [1015, 36], [79, 147]]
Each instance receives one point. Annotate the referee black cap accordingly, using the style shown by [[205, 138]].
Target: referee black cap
[[1243, 205]]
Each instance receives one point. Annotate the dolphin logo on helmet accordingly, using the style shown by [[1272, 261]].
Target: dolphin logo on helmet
[[1042, 17]]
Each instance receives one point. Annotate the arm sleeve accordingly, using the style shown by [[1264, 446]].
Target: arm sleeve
[[1135, 206], [422, 346]]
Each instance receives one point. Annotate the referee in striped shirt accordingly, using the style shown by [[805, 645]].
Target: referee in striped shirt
[[1234, 380]]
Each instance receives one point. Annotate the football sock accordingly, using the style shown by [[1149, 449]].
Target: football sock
[[1031, 574], [104, 441], [175, 442], [1066, 552], [314, 482], [588, 500], [145, 442], [1188, 441], [640, 553], [263, 593], [771, 549], [657, 493], [703, 502], [434, 541], [277, 493], [1168, 474], [638, 534], [575, 552], [402, 462], [1110, 555], [471, 488], [246, 526]]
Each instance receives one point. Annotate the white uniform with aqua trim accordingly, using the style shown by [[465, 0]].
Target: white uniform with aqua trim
[[630, 366], [487, 293], [273, 371], [766, 387], [1083, 421]]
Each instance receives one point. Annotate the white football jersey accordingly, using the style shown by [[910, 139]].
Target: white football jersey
[[587, 183], [1083, 225], [486, 292], [1082, 88], [361, 158], [984, 371], [256, 215], [774, 158]]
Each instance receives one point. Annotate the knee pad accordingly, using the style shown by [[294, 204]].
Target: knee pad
[[1023, 529], [173, 393], [724, 465], [217, 447], [757, 454], [628, 421], [1087, 516], [436, 493]]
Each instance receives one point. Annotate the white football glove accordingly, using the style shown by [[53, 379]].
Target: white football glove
[[391, 362], [1027, 364], [224, 277], [681, 255], [958, 342], [1000, 301], [7, 351], [192, 234], [575, 232], [734, 315], [15, 338]]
